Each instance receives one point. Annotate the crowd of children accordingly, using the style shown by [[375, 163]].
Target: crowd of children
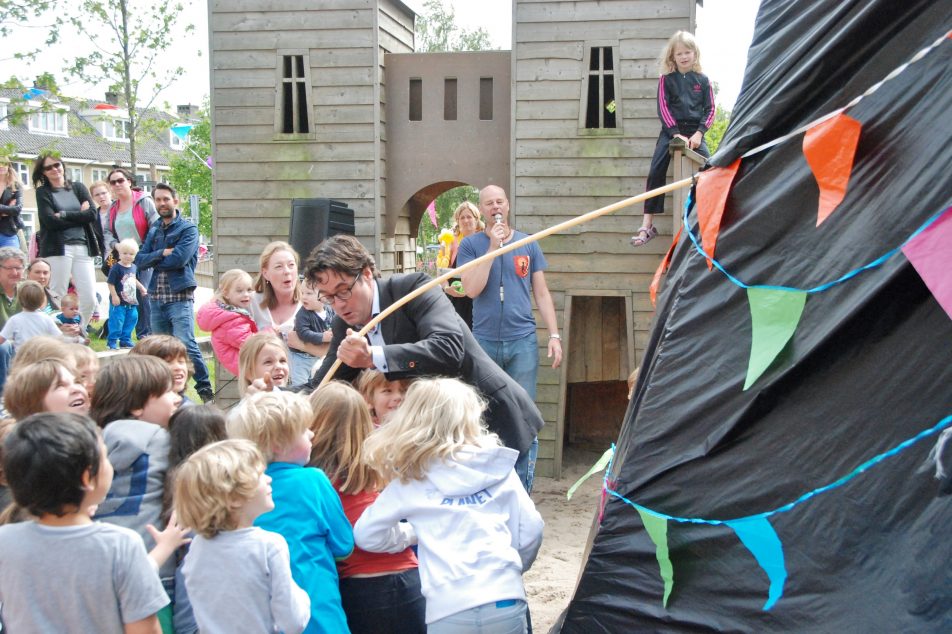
[[291, 514]]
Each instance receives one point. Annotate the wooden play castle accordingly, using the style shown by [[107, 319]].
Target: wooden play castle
[[328, 100]]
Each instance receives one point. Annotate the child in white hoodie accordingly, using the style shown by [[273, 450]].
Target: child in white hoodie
[[477, 529]]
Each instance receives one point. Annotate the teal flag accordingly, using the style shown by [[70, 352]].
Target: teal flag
[[762, 541]]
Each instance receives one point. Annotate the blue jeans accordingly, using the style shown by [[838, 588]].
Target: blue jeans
[[491, 618], [6, 357], [301, 364], [520, 360], [178, 319], [144, 325], [122, 319], [386, 604]]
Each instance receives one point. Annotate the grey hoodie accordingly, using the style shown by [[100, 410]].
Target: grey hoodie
[[477, 529], [139, 453]]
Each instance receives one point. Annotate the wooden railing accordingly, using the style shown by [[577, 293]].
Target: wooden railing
[[685, 164]]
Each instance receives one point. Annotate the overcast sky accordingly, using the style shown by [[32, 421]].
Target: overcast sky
[[724, 31]]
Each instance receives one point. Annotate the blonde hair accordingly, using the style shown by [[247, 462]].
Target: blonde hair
[[31, 295], [341, 424], [43, 347], [370, 380], [215, 482], [272, 420], [128, 243], [248, 356], [27, 387], [666, 63], [227, 281], [438, 417], [69, 299], [98, 184], [13, 178], [467, 206], [270, 300]]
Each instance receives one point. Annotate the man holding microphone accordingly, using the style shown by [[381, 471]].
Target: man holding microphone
[[503, 322]]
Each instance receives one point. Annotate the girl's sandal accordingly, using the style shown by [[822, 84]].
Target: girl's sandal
[[644, 235]]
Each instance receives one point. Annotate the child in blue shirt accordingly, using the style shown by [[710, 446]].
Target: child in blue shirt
[[123, 309], [307, 510]]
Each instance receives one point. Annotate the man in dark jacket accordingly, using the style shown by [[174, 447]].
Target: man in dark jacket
[[425, 337], [171, 248]]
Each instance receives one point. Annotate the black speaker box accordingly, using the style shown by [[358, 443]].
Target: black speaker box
[[315, 219]]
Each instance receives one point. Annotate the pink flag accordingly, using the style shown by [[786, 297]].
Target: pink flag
[[931, 256], [431, 209]]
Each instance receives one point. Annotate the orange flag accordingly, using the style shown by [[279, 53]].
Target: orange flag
[[712, 189], [665, 263], [829, 149]]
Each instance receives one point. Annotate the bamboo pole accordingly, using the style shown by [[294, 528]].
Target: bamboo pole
[[562, 226]]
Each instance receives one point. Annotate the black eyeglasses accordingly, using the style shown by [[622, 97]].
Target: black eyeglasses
[[344, 295], [118, 181], [52, 166]]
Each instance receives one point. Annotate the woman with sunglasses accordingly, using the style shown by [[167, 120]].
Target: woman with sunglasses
[[68, 237], [131, 214]]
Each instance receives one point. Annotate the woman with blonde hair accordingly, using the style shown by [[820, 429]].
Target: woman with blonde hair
[[277, 298], [11, 204], [466, 222]]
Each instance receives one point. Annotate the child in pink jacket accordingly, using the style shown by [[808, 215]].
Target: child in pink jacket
[[228, 317]]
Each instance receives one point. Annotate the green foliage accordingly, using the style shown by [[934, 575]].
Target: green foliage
[[722, 118], [190, 175], [446, 204], [436, 31], [132, 37]]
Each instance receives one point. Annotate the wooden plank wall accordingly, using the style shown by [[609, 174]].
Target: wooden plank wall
[[560, 172], [258, 172]]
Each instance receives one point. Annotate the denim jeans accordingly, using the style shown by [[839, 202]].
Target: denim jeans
[[178, 319], [122, 320], [520, 360], [144, 325], [484, 619], [301, 364], [386, 604], [77, 264], [6, 358]]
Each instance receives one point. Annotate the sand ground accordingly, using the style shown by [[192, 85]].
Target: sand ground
[[550, 582]]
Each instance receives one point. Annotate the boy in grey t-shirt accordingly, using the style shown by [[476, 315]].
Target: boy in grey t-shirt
[[62, 571]]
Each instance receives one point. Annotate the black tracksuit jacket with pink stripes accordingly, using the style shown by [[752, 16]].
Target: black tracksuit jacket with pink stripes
[[685, 103]]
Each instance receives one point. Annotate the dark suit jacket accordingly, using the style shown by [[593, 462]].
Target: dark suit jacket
[[427, 337]]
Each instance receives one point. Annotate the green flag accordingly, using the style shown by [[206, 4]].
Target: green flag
[[774, 317]]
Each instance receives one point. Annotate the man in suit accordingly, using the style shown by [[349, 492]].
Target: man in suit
[[423, 338]]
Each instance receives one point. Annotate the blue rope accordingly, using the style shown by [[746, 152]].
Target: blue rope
[[862, 468], [816, 289]]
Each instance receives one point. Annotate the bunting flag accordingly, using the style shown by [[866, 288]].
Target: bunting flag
[[774, 317], [829, 149], [209, 162], [105, 106], [431, 211], [662, 268], [182, 130], [930, 253], [598, 466], [657, 528], [762, 541], [712, 189]]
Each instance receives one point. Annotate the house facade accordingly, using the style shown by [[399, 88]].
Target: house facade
[[91, 137]]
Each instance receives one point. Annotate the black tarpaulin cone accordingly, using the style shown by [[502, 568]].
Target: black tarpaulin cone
[[868, 366]]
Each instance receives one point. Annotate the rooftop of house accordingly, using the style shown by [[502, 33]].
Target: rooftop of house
[[85, 136]]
